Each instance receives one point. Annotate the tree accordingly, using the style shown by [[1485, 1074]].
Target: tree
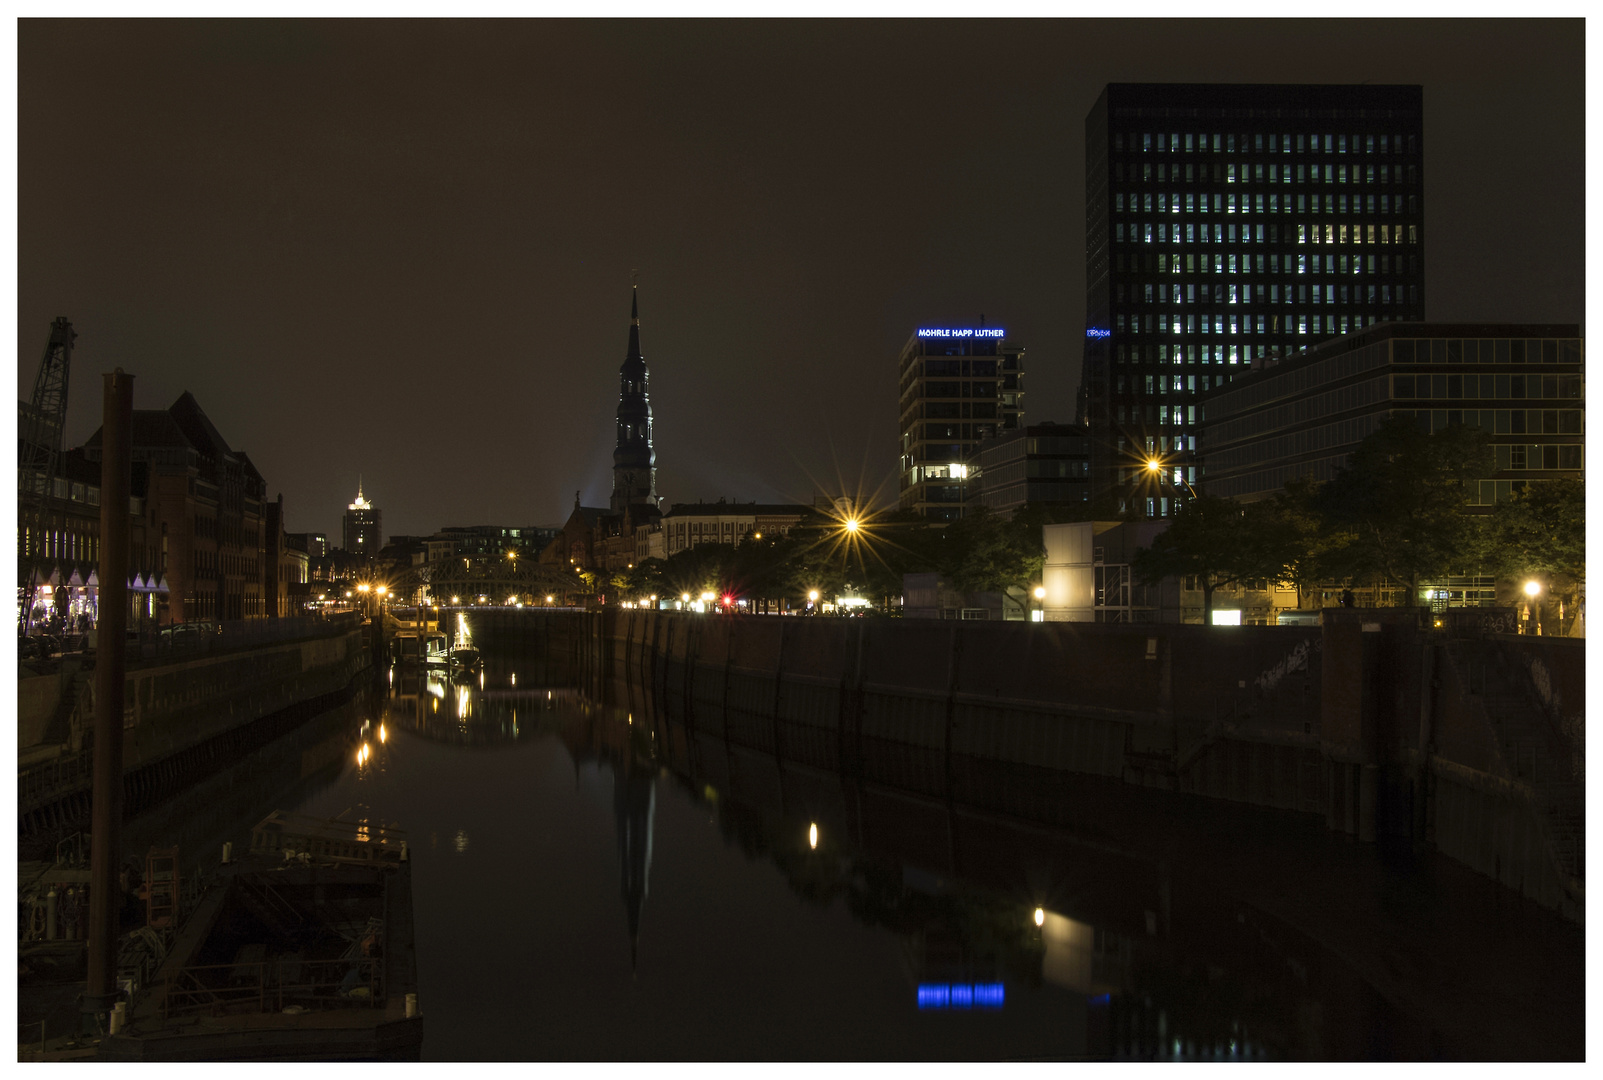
[[1541, 533], [983, 552], [1219, 542], [1403, 501]]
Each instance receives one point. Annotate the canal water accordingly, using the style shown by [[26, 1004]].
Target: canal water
[[588, 887]]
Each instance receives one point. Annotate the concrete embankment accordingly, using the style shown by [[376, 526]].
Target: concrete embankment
[[1389, 729]]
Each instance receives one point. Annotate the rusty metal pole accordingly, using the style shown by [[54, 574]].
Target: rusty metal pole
[[106, 812]]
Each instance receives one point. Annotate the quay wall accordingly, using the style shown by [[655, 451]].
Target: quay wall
[[1384, 726], [185, 720]]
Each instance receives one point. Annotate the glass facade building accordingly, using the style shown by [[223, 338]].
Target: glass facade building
[[1523, 384], [958, 386], [1227, 225]]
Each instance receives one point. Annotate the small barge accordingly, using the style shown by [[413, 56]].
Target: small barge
[[302, 950]]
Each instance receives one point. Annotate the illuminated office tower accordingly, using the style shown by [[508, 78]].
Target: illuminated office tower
[[958, 385], [364, 526], [1227, 227]]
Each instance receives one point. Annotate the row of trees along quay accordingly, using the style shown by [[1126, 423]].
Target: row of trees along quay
[[1398, 515]]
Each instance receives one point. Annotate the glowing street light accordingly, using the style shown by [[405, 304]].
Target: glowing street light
[[1040, 917], [1040, 592], [1533, 589], [812, 596], [852, 525]]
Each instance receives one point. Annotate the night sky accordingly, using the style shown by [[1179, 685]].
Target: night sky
[[404, 250]]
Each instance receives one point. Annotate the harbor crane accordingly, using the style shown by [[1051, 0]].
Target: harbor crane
[[39, 460]]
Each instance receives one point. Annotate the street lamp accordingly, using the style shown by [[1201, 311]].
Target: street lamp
[[1155, 467], [1533, 589]]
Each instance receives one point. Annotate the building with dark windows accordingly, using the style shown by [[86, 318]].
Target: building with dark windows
[[690, 524], [205, 515], [958, 386], [1040, 463], [364, 527], [1227, 225], [1522, 384]]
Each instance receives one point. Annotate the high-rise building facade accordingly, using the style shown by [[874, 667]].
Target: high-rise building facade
[[634, 461], [958, 386], [364, 526], [1229, 225]]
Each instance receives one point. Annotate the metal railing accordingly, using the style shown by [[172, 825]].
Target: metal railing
[[271, 985]]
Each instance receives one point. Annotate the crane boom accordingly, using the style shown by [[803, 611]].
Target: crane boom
[[39, 456]]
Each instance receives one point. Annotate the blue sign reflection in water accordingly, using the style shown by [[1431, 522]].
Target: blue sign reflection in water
[[960, 996]]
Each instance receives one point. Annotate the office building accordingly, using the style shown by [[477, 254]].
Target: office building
[[1227, 225], [364, 527], [1522, 384], [959, 385], [1039, 463]]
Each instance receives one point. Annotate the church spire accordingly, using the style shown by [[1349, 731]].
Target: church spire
[[634, 326], [634, 473]]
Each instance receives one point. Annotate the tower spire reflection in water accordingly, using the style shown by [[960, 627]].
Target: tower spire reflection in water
[[634, 804]]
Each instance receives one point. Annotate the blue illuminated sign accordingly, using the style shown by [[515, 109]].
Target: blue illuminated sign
[[982, 332], [1097, 332], [960, 995]]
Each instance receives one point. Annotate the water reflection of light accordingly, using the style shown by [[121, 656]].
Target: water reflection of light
[[383, 736], [812, 835], [460, 842], [514, 678], [464, 702], [481, 680]]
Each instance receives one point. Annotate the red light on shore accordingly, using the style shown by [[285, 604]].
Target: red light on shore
[[728, 600]]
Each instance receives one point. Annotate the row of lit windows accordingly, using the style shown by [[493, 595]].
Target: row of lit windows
[[67, 544], [1321, 293], [1258, 142], [1165, 203], [1228, 262], [1329, 232], [1299, 323], [1167, 383], [1192, 354], [1253, 173], [1179, 415], [1160, 444]]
